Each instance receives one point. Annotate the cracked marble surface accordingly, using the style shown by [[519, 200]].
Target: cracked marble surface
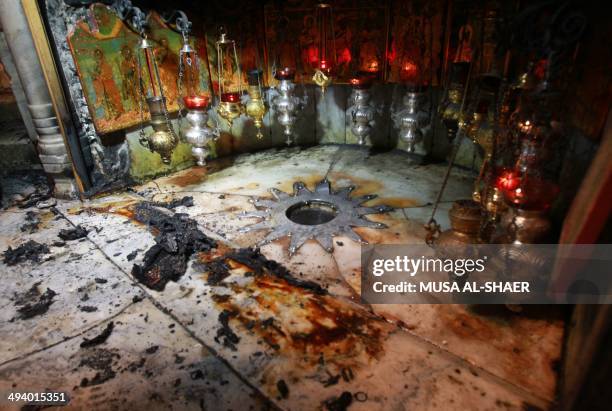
[[411, 357]]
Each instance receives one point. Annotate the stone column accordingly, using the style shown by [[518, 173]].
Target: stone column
[[51, 148]]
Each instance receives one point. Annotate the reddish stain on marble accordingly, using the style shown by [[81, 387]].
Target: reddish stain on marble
[[198, 174], [298, 322], [122, 207], [365, 186]]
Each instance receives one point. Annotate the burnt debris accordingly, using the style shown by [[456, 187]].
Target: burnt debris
[[218, 270], [152, 349], [72, 234], [331, 380], [282, 388], [40, 195], [177, 239], [24, 188], [136, 365], [32, 223], [259, 265], [100, 338], [131, 256], [225, 335], [33, 303], [196, 375], [340, 403], [100, 360], [28, 251], [186, 201]]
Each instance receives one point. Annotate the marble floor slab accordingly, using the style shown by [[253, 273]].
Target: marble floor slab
[[148, 362], [258, 341]]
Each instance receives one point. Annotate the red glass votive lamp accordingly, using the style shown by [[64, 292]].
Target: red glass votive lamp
[[325, 66], [361, 82], [409, 72], [196, 102], [507, 180], [232, 97], [533, 194], [372, 67]]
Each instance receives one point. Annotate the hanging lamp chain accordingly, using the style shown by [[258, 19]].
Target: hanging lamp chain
[[432, 226]]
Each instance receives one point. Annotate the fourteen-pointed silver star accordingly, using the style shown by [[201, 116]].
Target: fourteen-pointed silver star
[[320, 214]]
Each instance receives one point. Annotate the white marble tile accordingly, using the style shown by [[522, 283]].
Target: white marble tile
[[400, 356], [207, 203], [46, 234], [105, 217], [147, 362], [421, 215], [391, 367], [347, 254], [535, 343], [312, 263], [396, 177], [467, 333], [12, 235], [81, 276], [522, 348], [254, 174], [112, 229]]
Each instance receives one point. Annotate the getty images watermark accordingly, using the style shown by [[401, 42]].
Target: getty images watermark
[[487, 274]]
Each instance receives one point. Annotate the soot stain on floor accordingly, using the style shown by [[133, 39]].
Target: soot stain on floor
[[101, 360], [33, 303]]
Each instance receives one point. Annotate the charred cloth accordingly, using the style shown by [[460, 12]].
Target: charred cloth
[[178, 237], [28, 251]]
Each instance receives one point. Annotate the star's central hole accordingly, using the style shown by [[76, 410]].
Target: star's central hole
[[312, 212]]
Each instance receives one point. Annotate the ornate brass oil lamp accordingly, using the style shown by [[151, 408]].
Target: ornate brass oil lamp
[[362, 114], [198, 133], [285, 103], [532, 193], [195, 97], [451, 107], [326, 50], [230, 87], [163, 140], [412, 119], [528, 222], [481, 126], [255, 107], [480, 129], [465, 219]]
